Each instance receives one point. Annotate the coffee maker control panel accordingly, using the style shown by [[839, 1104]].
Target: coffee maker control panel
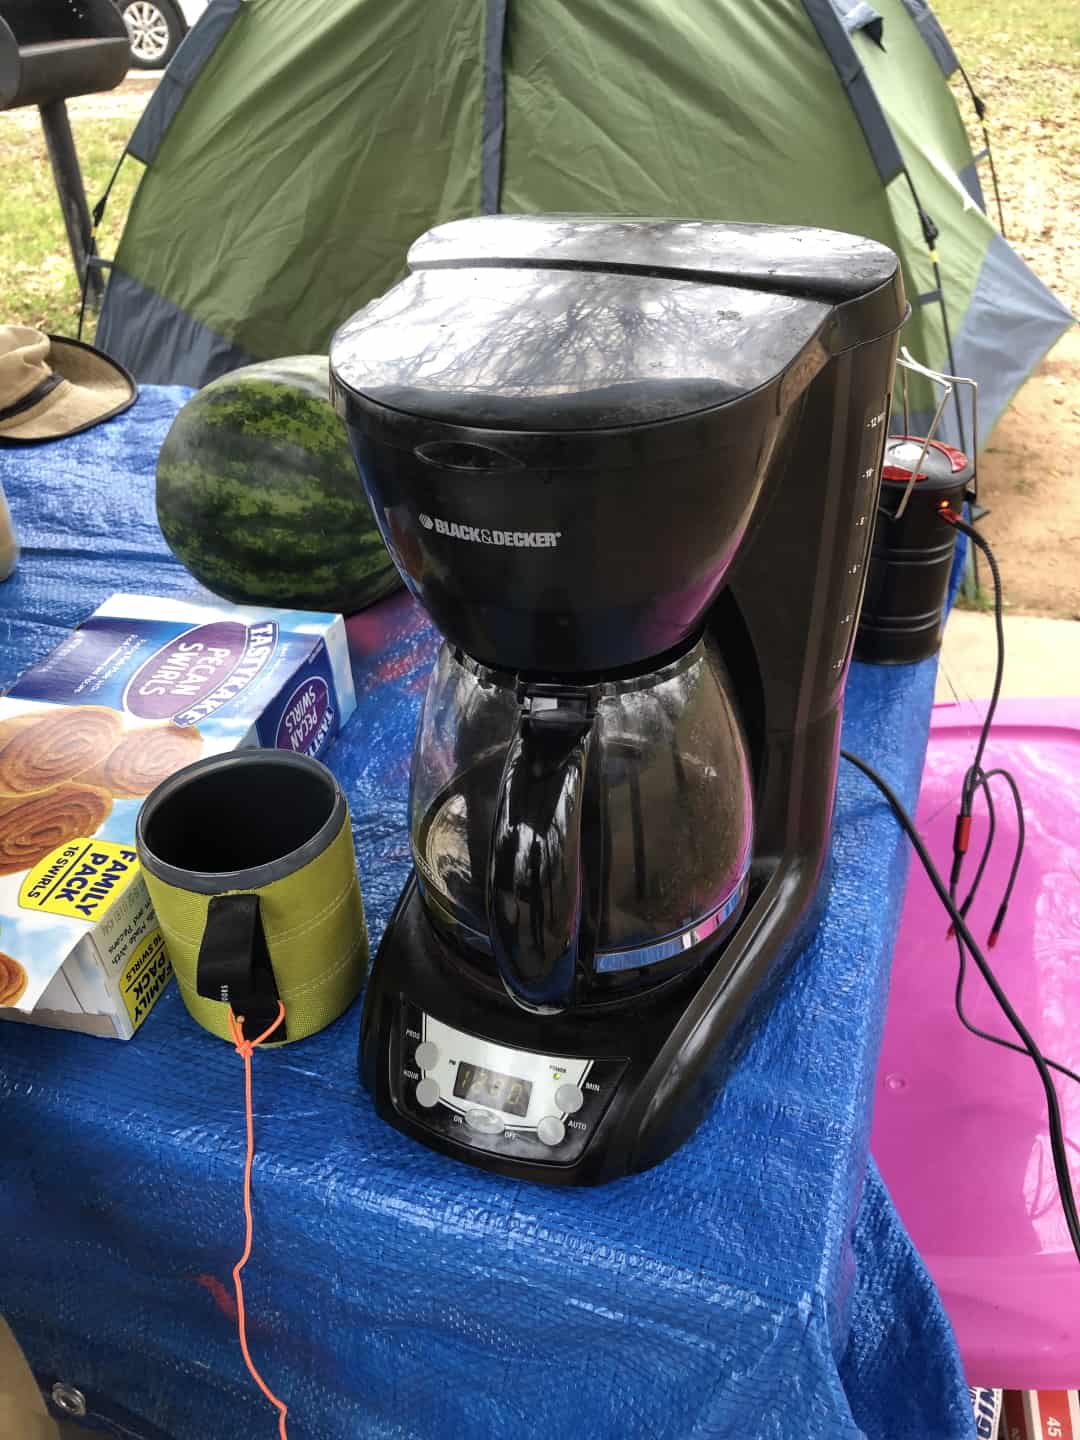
[[517, 1103]]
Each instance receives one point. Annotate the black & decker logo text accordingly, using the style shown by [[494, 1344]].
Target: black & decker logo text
[[516, 539]]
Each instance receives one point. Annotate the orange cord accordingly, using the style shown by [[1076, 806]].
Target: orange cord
[[245, 1048]]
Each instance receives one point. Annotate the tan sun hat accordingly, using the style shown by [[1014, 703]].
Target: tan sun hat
[[51, 387]]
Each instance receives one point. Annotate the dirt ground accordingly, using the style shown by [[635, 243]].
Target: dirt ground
[[1028, 471], [1028, 478], [126, 102]]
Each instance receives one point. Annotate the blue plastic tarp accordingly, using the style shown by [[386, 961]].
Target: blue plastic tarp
[[757, 1285]]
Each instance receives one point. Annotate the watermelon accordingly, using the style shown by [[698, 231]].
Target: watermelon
[[259, 497]]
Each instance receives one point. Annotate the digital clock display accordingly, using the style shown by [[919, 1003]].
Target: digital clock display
[[508, 1093]]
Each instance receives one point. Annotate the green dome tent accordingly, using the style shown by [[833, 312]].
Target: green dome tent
[[294, 151]]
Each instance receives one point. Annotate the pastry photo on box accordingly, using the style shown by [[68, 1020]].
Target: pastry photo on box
[[142, 688]]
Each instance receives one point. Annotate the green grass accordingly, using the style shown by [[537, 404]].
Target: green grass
[[37, 275], [1024, 32]]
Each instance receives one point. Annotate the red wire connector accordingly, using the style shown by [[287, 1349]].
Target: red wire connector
[[961, 839], [947, 513]]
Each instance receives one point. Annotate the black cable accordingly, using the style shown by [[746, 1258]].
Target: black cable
[[968, 1024], [1053, 1109], [973, 774], [976, 778], [1018, 855], [991, 830], [999, 629], [1021, 836], [961, 971]]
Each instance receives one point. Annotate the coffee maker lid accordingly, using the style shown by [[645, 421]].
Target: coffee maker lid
[[571, 323], [792, 259]]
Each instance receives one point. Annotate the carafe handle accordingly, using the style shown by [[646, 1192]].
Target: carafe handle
[[534, 883]]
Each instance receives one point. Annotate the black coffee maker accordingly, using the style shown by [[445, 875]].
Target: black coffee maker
[[630, 469]]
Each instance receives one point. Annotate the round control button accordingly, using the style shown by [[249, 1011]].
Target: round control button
[[551, 1130], [427, 1055], [569, 1099], [427, 1093], [484, 1121]]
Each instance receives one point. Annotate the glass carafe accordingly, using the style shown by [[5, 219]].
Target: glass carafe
[[588, 837]]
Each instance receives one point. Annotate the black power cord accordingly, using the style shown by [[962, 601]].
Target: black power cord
[[967, 1023], [991, 832], [1018, 854], [971, 779], [975, 779], [1027, 1041]]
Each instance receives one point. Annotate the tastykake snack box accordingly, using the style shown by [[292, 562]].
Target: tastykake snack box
[[142, 688]]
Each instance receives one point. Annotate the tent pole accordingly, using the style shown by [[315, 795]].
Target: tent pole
[[980, 111], [930, 234]]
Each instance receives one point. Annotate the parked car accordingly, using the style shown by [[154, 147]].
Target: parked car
[[157, 27]]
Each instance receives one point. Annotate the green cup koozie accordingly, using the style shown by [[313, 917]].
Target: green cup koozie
[[249, 861]]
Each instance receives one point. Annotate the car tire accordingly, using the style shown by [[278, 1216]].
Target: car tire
[[156, 29]]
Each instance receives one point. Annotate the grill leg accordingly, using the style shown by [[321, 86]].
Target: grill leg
[[71, 192]]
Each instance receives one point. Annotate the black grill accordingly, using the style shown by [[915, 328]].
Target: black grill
[[49, 51]]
